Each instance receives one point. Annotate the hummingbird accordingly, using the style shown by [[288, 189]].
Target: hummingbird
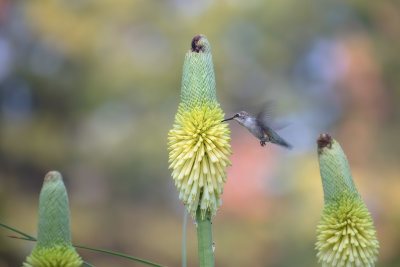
[[259, 127]]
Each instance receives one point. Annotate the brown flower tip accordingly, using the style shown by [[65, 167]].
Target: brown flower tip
[[324, 140], [52, 176], [196, 46]]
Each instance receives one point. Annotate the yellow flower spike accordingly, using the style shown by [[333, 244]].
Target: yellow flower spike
[[345, 235], [199, 142]]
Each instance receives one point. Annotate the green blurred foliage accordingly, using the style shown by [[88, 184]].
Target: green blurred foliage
[[91, 87]]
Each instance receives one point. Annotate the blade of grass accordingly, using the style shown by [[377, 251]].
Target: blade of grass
[[31, 238], [120, 255], [87, 264]]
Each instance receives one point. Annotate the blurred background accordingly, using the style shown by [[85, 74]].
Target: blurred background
[[91, 88]]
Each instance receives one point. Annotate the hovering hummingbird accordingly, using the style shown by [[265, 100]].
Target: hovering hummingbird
[[259, 127]]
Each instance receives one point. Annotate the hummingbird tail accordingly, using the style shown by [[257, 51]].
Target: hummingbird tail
[[276, 139]]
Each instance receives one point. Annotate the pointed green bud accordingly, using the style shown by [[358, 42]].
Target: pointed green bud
[[199, 142], [335, 170], [53, 247], [346, 234], [198, 80]]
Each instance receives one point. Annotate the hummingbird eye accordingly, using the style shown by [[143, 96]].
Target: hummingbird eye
[[236, 115]]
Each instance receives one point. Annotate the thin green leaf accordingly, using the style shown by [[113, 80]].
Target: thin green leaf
[[87, 264], [120, 255], [31, 238]]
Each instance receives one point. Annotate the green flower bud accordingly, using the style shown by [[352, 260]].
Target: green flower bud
[[53, 247], [346, 234]]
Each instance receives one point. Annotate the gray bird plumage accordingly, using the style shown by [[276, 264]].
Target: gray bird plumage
[[259, 127]]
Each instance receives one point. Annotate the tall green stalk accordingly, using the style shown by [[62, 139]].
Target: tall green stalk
[[204, 239], [185, 215]]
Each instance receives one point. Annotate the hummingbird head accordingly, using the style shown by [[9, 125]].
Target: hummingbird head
[[240, 117]]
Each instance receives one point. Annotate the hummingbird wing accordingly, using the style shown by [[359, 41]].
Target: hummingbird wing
[[266, 114], [265, 119]]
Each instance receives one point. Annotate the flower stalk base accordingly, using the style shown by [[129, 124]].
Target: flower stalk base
[[204, 239]]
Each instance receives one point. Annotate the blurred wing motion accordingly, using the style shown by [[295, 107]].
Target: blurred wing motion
[[266, 114], [265, 119]]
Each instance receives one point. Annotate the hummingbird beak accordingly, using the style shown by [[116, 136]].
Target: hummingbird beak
[[228, 119]]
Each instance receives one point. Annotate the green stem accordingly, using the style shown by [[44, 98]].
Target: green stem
[[184, 237], [204, 239]]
